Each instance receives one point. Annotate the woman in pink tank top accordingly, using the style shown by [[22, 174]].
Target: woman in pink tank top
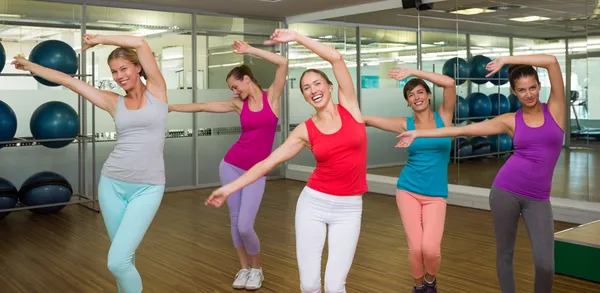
[[522, 186], [258, 112]]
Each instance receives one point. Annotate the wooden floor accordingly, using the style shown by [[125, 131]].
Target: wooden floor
[[574, 177], [188, 249]]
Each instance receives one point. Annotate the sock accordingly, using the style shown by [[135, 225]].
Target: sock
[[430, 283]]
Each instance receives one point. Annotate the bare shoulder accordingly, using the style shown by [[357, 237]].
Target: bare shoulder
[[355, 112]]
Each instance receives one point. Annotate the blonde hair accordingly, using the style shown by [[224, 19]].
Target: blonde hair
[[127, 54]]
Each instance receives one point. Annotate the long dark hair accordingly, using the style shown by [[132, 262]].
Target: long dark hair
[[517, 71], [239, 72]]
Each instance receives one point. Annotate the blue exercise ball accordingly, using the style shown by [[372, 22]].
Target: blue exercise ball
[[462, 108], [457, 68], [56, 55], [45, 188], [500, 143], [8, 196], [8, 123], [462, 146], [500, 77], [2, 57], [481, 145], [500, 104], [53, 120], [477, 71], [515, 104], [479, 106]]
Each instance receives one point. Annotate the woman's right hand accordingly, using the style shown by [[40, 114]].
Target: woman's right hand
[[21, 63], [218, 197], [406, 138], [90, 41], [281, 36]]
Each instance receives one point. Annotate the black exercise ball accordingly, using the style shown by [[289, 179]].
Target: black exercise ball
[[8, 196], [45, 188]]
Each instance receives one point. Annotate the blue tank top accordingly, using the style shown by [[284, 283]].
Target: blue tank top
[[426, 172]]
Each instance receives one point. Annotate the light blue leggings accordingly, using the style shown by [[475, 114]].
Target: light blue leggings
[[128, 210]]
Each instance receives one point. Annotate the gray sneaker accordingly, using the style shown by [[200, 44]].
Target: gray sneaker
[[430, 288]]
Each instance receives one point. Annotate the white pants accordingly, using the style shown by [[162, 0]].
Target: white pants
[[314, 212]]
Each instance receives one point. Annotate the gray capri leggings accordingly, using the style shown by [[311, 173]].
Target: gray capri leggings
[[506, 210]]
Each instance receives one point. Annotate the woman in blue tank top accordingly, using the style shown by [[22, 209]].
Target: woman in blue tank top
[[132, 180], [422, 187], [522, 186]]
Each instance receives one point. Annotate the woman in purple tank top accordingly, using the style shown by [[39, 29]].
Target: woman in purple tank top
[[522, 186], [259, 111]]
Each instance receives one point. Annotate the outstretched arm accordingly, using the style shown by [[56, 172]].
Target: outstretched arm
[[230, 105], [447, 83], [346, 93], [557, 102], [104, 100], [396, 124], [297, 140], [155, 81]]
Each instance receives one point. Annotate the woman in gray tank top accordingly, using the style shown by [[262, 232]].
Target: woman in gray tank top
[[132, 180]]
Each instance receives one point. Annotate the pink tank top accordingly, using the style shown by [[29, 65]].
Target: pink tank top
[[258, 134]]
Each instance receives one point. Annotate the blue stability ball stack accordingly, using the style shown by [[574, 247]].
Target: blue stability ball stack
[[515, 104], [54, 120], [481, 146], [8, 196], [500, 143], [462, 147], [2, 57], [462, 108], [479, 106], [500, 104], [500, 77], [456, 68], [8, 123], [477, 71], [56, 55], [45, 188]]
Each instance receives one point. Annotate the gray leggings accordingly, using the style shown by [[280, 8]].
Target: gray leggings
[[506, 210]]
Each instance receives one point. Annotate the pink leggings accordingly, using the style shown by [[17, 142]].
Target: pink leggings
[[423, 219]]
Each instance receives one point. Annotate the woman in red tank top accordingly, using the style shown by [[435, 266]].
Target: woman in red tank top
[[332, 199]]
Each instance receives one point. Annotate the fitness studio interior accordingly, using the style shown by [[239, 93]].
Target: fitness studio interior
[[53, 143]]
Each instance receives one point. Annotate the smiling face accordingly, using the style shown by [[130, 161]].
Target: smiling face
[[417, 94], [525, 84], [125, 73], [316, 88], [240, 87]]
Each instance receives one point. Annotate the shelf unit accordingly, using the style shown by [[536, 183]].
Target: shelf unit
[[80, 195]]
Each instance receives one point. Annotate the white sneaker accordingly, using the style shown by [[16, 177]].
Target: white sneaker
[[255, 280], [241, 278]]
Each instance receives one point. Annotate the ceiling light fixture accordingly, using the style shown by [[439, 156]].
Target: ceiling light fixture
[[472, 11], [529, 18]]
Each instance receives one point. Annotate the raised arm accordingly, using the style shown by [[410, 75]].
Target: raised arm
[[104, 100], [297, 140], [504, 123], [231, 105], [346, 93], [396, 124], [276, 89], [557, 102], [155, 82], [446, 83]]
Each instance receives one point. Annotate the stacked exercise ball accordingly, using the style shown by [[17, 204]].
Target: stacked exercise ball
[[480, 106], [56, 55], [474, 70], [456, 68], [8, 196], [8, 123], [54, 120], [45, 188]]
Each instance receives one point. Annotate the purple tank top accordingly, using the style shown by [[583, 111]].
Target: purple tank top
[[258, 134], [528, 172]]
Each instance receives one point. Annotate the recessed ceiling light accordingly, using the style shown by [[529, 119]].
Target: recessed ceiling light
[[529, 18], [271, 1], [472, 11]]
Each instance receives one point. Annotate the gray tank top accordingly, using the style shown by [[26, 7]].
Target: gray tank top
[[138, 153]]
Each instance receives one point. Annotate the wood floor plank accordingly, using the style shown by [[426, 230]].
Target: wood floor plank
[[188, 249]]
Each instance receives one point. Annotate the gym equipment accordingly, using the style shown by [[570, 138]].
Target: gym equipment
[[45, 188], [479, 106], [499, 103], [515, 104], [465, 148], [54, 120], [462, 108], [56, 55], [8, 123], [481, 146], [8, 196], [2, 57], [500, 143], [462, 69], [500, 77], [477, 69]]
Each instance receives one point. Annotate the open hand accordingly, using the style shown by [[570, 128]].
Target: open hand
[[218, 197], [21, 63], [240, 47], [494, 66], [281, 36], [90, 40], [406, 138], [400, 73]]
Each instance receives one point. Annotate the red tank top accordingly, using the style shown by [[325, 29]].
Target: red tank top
[[341, 157]]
